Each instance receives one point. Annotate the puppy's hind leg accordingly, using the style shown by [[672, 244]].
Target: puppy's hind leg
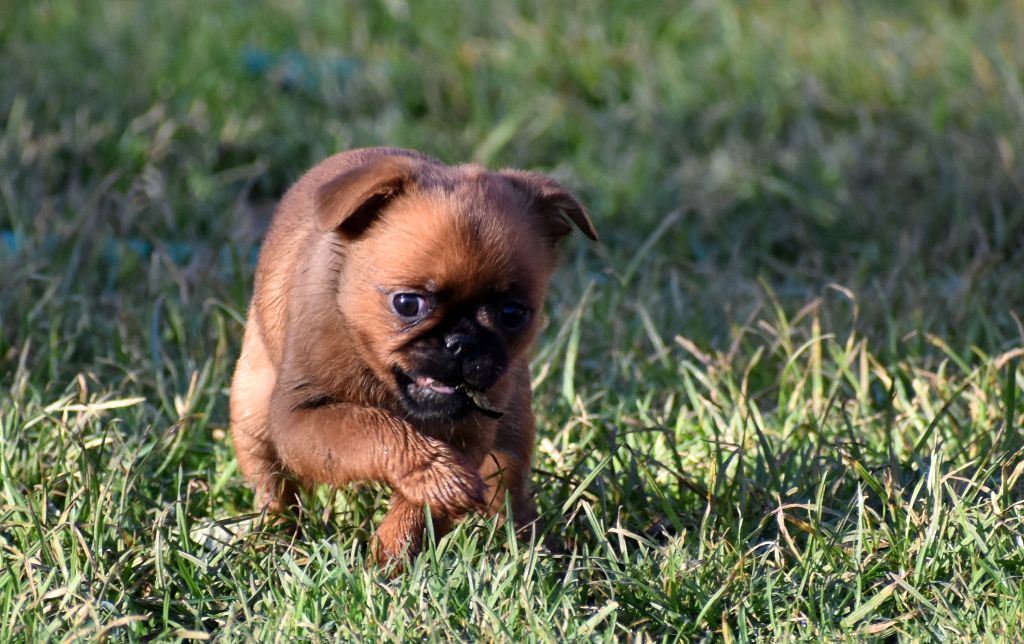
[[506, 477], [251, 388], [506, 469]]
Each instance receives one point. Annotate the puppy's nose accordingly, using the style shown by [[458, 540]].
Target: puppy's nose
[[462, 345]]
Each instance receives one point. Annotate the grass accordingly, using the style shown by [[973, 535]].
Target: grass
[[782, 398]]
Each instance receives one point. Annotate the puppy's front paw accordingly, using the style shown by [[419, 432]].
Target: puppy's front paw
[[447, 482]]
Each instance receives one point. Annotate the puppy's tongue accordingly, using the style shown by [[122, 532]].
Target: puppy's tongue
[[430, 383], [477, 399]]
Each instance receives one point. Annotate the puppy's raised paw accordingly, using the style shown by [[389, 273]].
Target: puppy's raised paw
[[446, 482]]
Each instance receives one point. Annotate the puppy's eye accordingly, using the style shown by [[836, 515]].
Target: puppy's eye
[[512, 316], [409, 305]]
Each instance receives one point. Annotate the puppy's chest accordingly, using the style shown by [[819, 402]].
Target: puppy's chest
[[473, 437]]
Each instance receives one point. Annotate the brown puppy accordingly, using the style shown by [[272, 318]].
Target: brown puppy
[[396, 299]]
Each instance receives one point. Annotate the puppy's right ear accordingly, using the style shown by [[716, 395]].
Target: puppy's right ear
[[558, 207], [350, 202]]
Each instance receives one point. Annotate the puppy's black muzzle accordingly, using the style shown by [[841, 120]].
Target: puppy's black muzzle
[[477, 360], [450, 369]]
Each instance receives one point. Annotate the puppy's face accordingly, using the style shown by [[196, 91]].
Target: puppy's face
[[446, 294], [442, 281]]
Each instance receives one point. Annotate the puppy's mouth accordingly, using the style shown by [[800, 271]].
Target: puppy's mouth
[[426, 382], [430, 399]]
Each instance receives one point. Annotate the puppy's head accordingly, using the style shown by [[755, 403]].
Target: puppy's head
[[442, 275]]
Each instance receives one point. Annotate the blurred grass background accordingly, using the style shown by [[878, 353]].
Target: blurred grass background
[[802, 143], [802, 205]]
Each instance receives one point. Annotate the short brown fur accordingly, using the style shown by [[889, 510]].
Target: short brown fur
[[334, 386]]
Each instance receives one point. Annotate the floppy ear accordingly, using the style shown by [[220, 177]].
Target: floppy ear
[[559, 207], [350, 202]]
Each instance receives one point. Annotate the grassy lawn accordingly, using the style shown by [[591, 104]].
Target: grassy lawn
[[782, 398]]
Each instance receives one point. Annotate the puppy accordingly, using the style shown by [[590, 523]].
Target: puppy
[[395, 303]]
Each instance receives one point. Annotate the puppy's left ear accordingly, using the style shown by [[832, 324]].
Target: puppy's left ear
[[350, 202], [559, 207]]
